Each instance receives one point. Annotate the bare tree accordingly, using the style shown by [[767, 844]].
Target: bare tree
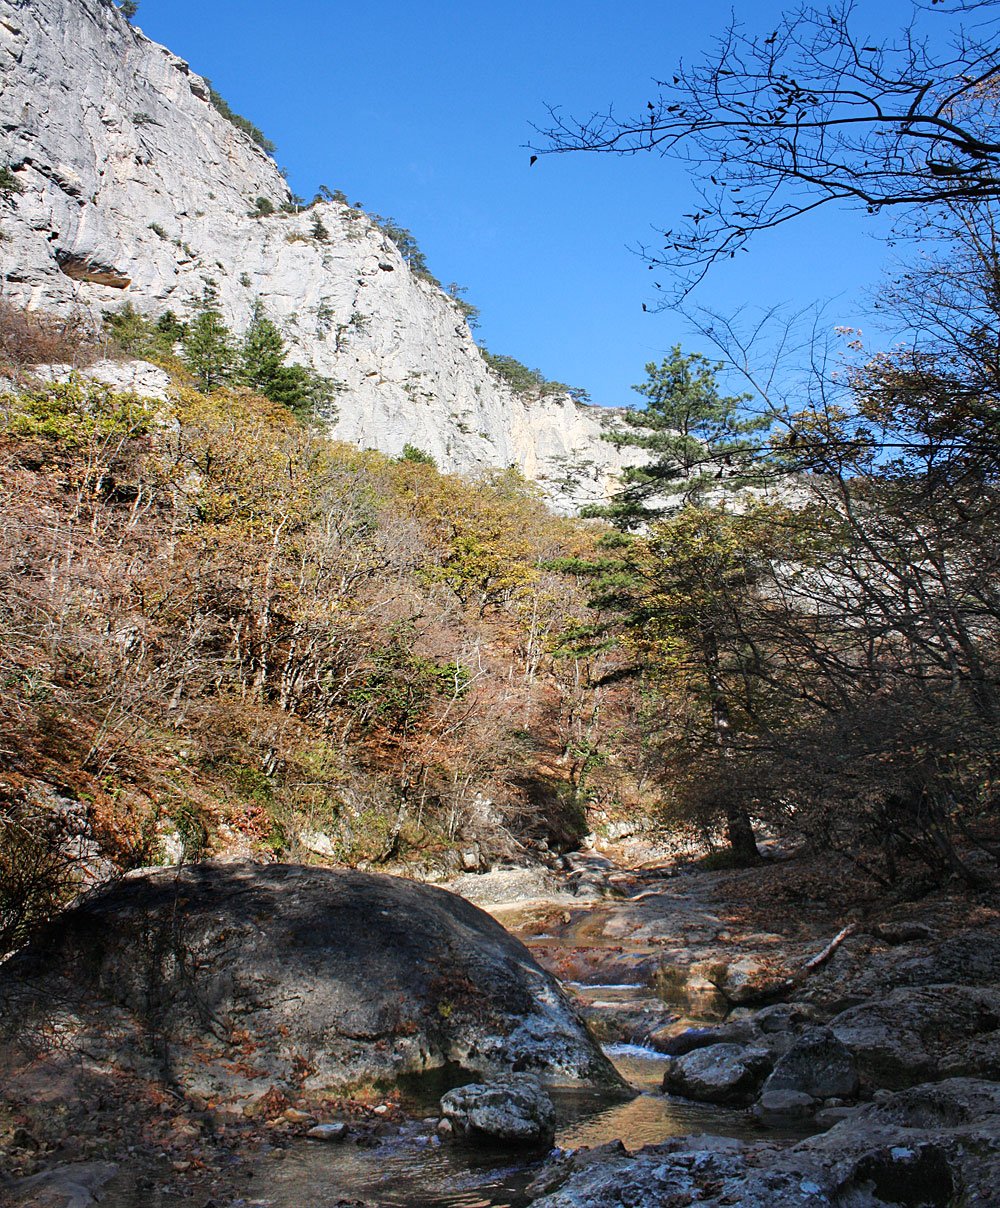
[[773, 126]]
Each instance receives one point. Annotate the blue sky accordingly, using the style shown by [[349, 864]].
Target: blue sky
[[420, 111]]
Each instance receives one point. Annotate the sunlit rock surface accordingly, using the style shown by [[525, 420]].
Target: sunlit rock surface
[[137, 190]]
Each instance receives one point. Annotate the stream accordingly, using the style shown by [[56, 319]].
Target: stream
[[414, 1169], [411, 1171]]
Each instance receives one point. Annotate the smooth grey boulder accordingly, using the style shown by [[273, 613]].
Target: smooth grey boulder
[[818, 1065], [721, 1073], [243, 976], [510, 1110]]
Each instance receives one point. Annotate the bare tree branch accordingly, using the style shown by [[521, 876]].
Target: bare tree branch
[[772, 127]]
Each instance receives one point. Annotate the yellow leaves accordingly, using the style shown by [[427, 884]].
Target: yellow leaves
[[246, 462], [486, 539], [487, 570]]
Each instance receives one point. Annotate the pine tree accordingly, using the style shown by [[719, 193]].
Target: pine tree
[[262, 354], [208, 350], [665, 582], [698, 438], [262, 368]]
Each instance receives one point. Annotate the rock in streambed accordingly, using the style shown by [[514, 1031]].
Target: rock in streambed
[[932, 1146], [227, 980], [509, 1111]]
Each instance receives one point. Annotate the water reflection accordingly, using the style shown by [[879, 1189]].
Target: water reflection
[[647, 1119], [402, 1174]]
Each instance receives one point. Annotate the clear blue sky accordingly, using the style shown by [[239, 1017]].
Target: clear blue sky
[[420, 111]]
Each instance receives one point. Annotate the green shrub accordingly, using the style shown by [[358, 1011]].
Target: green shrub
[[400, 686], [10, 186], [74, 413], [241, 123], [412, 453]]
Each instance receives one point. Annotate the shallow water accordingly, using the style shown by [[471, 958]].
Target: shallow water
[[650, 1117], [411, 1171], [414, 1170], [400, 1173]]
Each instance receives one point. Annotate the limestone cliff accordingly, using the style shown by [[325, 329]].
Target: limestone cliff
[[135, 188]]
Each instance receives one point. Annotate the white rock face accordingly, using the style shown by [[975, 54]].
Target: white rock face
[[136, 189], [131, 377]]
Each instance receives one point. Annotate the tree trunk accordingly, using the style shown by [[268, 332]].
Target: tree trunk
[[739, 828], [739, 832]]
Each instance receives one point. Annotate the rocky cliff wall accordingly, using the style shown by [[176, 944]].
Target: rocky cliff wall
[[136, 189]]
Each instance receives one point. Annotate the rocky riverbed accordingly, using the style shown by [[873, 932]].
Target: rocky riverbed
[[781, 1055]]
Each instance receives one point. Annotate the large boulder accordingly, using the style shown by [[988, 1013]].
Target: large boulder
[[721, 1073], [916, 1034], [230, 979], [513, 1111]]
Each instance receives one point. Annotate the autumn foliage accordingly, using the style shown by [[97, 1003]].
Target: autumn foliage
[[221, 630]]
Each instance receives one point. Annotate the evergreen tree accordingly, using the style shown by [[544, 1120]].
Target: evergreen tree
[[129, 329], [170, 329], [208, 350], [137, 335], [675, 587], [262, 354], [262, 368], [697, 436]]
